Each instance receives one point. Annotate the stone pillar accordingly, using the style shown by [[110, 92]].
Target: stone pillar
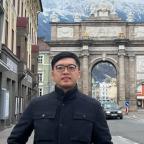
[[132, 84], [121, 42], [121, 89], [85, 76]]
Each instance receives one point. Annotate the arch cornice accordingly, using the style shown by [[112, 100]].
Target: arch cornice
[[100, 59]]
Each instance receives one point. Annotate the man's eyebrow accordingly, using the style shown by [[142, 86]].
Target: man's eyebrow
[[65, 64]]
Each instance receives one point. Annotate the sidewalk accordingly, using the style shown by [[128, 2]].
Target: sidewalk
[[5, 133], [139, 114]]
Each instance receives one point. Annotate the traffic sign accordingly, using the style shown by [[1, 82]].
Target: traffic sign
[[126, 103]]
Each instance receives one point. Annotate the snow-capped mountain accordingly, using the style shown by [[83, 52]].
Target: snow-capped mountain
[[68, 9]]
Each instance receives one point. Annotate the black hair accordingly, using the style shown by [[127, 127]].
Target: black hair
[[65, 54]]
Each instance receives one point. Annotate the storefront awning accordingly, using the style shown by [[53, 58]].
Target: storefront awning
[[140, 97], [3, 66]]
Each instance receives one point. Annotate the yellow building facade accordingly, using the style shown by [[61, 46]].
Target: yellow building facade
[[18, 49]]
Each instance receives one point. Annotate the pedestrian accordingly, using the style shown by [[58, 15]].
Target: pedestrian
[[64, 116], [126, 110]]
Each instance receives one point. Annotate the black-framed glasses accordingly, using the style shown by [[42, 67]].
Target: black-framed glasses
[[70, 67]]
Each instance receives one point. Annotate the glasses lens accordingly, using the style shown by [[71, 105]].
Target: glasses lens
[[60, 68], [70, 68]]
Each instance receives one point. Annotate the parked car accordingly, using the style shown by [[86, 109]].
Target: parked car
[[112, 110]]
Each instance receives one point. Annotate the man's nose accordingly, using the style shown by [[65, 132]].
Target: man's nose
[[66, 69]]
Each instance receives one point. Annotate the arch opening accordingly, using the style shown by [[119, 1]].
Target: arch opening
[[104, 81]]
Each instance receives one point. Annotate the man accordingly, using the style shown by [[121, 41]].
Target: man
[[65, 116]]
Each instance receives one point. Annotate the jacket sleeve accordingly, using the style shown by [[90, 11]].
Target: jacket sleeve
[[101, 132], [23, 128]]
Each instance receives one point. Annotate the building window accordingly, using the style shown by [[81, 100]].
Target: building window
[[30, 29], [40, 59], [29, 60], [14, 2], [22, 10], [21, 104], [12, 41], [17, 104], [18, 7], [32, 36], [6, 33], [25, 13], [25, 53], [40, 91], [29, 94], [18, 51], [33, 68], [40, 77]]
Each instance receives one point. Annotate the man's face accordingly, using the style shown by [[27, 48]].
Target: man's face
[[66, 73]]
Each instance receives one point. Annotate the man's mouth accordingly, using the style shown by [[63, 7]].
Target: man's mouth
[[66, 78]]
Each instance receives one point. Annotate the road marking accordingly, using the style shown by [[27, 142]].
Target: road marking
[[136, 118], [122, 140]]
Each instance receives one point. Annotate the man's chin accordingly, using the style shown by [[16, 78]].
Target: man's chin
[[67, 86]]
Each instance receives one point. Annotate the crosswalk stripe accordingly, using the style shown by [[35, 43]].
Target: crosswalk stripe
[[122, 140], [135, 118]]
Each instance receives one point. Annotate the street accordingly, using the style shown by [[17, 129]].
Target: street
[[129, 130]]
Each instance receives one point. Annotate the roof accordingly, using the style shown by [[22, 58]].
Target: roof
[[41, 6]]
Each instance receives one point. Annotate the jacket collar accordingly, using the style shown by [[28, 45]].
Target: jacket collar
[[62, 96]]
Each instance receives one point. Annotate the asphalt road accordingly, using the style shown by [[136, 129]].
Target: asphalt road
[[130, 130]]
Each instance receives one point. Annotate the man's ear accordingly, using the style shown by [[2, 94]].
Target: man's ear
[[79, 74], [52, 75]]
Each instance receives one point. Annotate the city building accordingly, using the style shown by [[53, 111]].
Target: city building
[[44, 68], [18, 48], [104, 38], [140, 95], [3, 65]]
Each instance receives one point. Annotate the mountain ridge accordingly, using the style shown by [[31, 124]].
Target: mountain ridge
[[66, 10]]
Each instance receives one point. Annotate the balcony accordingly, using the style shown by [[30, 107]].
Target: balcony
[[3, 66]]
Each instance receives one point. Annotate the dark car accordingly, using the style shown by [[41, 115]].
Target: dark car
[[112, 110]]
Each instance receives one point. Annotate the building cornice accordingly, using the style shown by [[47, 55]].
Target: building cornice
[[7, 51], [69, 43]]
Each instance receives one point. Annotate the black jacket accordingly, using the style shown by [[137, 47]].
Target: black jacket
[[59, 118]]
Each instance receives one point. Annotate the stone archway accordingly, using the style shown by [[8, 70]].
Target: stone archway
[[104, 81]]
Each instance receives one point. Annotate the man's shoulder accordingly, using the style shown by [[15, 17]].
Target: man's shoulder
[[86, 103], [88, 99], [45, 97]]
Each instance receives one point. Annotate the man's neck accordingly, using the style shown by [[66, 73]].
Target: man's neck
[[65, 89]]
